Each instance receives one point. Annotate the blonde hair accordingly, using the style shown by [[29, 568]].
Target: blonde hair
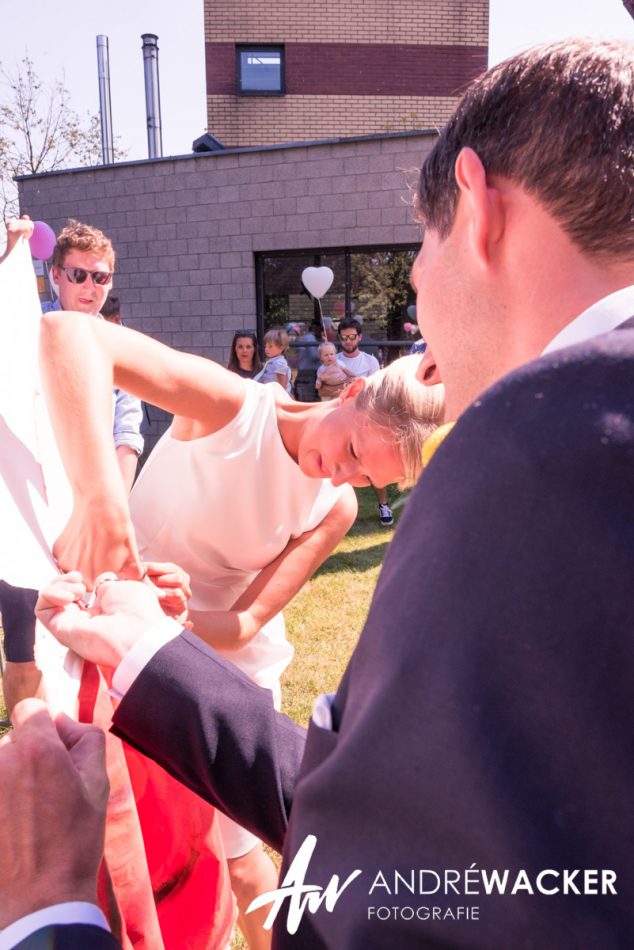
[[321, 349], [278, 336], [82, 237], [395, 400]]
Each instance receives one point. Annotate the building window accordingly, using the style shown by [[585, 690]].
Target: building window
[[370, 283], [260, 70]]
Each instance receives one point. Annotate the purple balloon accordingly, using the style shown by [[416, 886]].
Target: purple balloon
[[42, 240]]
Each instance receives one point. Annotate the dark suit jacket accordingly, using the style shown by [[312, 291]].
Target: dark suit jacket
[[485, 718]]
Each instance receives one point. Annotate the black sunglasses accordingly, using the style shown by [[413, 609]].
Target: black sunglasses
[[250, 333], [78, 275]]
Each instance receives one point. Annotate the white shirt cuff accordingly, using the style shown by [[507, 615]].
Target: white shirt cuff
[[141, 654], [74, 912], [322, 711]]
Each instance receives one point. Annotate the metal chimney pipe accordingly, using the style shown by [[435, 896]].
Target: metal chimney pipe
[[152, 95], [105, 106]]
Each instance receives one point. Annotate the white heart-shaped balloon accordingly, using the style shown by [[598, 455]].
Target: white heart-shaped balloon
[[317, 280]]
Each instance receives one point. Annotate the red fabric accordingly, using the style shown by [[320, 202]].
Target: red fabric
[[164, 883]]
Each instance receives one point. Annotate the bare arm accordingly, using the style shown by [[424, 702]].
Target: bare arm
[[276, 585], [181, 383], [281, 378], [81, 359]]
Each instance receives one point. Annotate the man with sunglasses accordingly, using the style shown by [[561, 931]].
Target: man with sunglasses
[[361, 364], [82, 271]]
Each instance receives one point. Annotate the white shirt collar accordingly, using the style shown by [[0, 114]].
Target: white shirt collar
[[604, 315], [74, 912]]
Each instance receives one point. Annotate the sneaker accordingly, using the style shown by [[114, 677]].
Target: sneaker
[[385, 515]]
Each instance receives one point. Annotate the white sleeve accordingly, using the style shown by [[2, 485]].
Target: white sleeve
[[74, 912], [128, 416]]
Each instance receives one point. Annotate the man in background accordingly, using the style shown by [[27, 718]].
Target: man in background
[[111, 310], [82, 271]]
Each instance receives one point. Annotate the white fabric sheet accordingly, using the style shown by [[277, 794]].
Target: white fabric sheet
[[35, 495]]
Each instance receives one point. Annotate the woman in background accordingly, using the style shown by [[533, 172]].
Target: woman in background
[[244, 358]]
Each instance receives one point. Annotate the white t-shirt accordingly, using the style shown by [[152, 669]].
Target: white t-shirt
[[362, 365]]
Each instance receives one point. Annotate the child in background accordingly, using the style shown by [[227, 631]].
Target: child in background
[[276, 369], [332, 377]]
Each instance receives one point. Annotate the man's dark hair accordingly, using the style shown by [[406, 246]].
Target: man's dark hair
[[349, 323], [111, 307], [559, 121]]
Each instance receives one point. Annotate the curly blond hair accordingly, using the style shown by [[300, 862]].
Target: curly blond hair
[[82, 237]]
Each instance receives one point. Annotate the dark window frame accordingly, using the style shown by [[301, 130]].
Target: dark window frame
[[346, 250], [260, 48]]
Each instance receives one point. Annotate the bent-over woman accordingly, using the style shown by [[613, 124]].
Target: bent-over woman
[[248, 490]]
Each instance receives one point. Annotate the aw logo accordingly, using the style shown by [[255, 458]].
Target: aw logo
[[301, 896]]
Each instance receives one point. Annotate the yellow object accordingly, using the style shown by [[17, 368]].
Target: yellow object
[[432, 442]]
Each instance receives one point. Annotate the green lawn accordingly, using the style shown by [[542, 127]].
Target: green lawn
[[325, 619]]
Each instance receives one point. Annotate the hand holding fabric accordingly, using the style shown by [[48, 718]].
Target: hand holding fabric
[[98, 537], [123, 611], [17, 228]]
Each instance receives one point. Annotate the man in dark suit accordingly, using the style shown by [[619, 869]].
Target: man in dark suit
[[475, 766]]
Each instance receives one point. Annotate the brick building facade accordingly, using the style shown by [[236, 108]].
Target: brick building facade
[[365, 66]]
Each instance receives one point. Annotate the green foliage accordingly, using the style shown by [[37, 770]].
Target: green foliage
[[382, 288], [276, 310]]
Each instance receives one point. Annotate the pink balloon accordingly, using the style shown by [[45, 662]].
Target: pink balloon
[[42, 240]]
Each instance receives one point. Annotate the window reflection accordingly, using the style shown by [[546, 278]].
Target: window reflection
[[370, 284]]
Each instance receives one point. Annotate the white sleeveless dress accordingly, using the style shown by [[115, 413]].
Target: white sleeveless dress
[[223, 507]]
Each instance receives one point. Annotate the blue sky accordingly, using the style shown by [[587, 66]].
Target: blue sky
[[61, 41]]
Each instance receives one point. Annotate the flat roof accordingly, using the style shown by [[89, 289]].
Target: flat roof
[[238, 150]]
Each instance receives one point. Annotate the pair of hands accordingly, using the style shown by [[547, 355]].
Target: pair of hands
[[122, 612], [53, 782]]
